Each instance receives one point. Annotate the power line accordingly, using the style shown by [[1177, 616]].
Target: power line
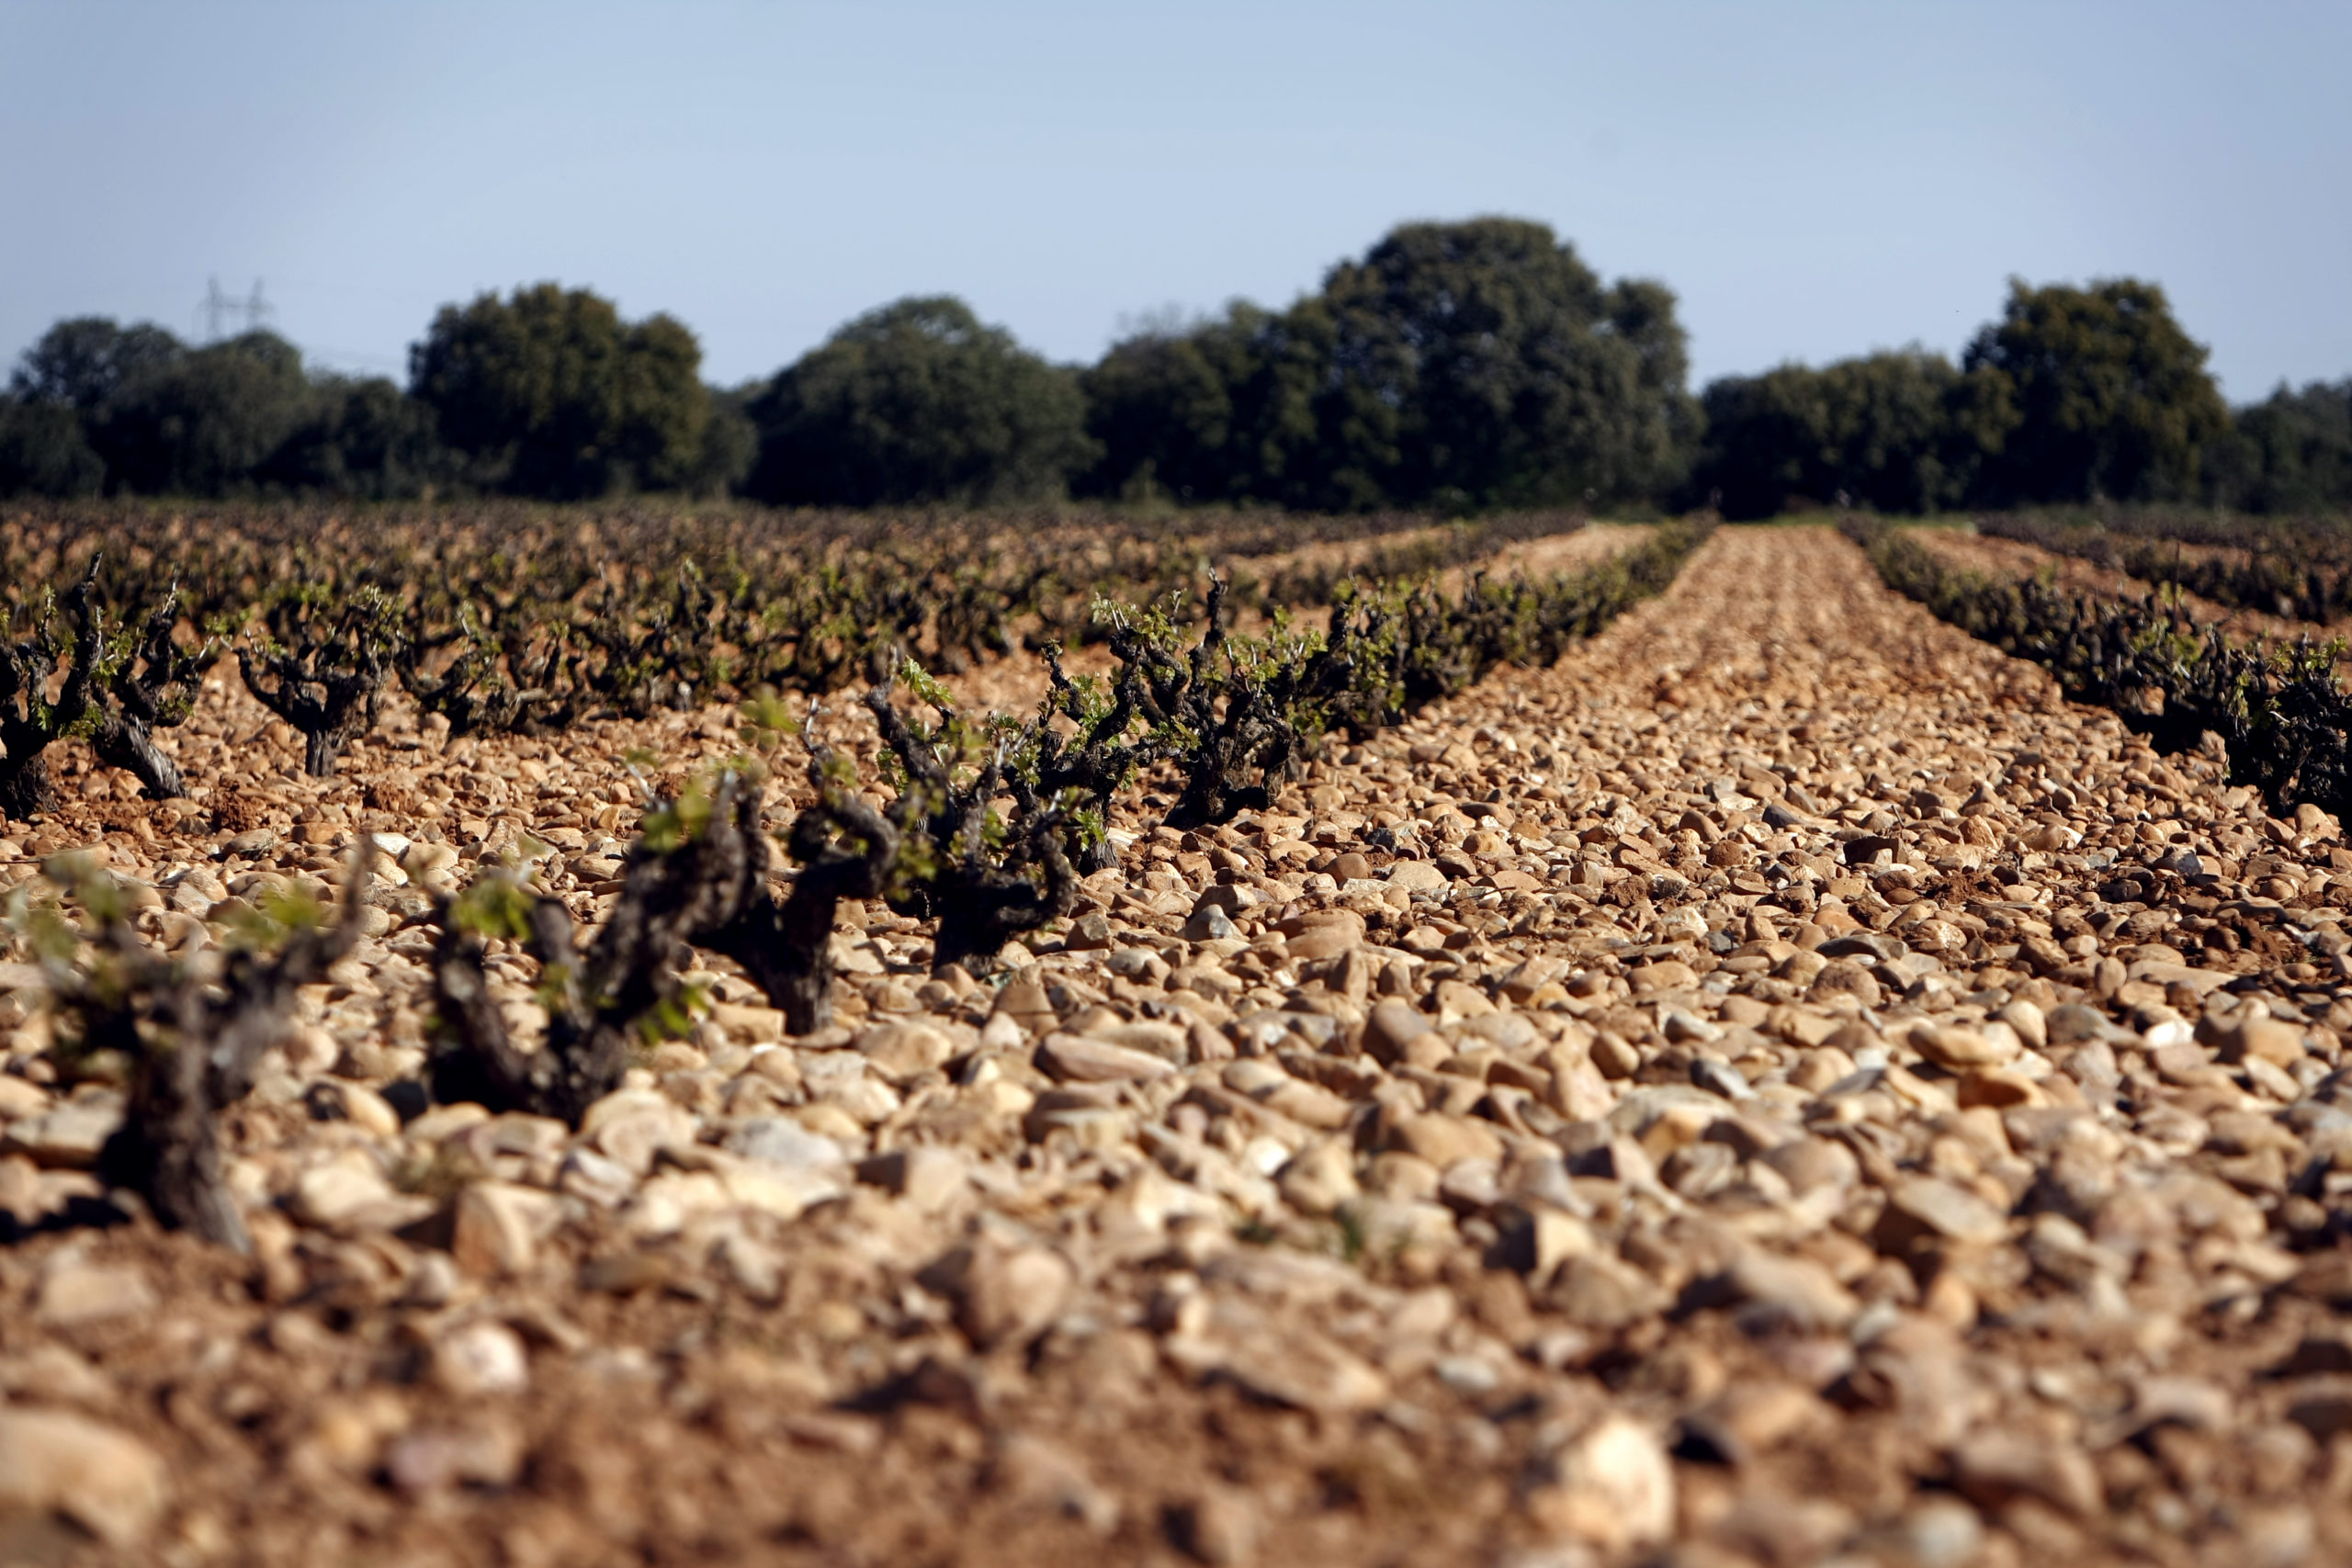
[[220, 305]]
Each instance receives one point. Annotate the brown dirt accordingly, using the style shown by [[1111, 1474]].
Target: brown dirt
[[1588, 545]]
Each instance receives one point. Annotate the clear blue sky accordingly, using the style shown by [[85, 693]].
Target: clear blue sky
[[1814, 180]]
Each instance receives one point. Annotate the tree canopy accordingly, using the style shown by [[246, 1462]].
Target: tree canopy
[[45, 451], [1900, 431], [361, 437], [1484, 364], [919, 401], [82, 362], [2112, 398], [1455, 365], [66, 386], [97, 405], [203, 421], [2291, 452], [548, 392], [1171, 411]]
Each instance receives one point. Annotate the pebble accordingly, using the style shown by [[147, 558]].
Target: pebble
[[630, 1126], [603, 1182], [1220, 1526], [1024, 1001], [902, 1052], [1720, 1077], [784, 1144], [1074, 1058], [1446, 1140], [2074, 1022], [1005, 1295], [1948, 1211], [497, 1227], [1614, 1489], [69, 1136], [74, 1293], [2027, 1022], [928, 1178], [1847, 979], [1794, 1290], [1042, 1474], [1209, 924], [1961, 1048], [1939, 1532], [1992, 1468], [104, 1478], [1752, 1419], [21, 1100], [1543, 1238], [342, 1191], [1809, 1163], [1394, 1028], [482, 1356], [1303, 1370], [486, 1452], [1320, 1178]]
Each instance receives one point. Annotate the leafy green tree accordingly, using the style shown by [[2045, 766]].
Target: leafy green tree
[[362, 437], [2112, 398], [1179, 413], [1896, 431], [2292, 452], [1456, 365], [548, 392], [1767, 443], [204, 422], [919, 401], [43, 451], [1226, 411], [1283, 407], [62, 390], [82, 363], [1483, 363], [730, 442]]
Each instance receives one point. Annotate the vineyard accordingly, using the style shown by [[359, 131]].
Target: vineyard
[[2279, 714], [2296, 572], [583, 1036]]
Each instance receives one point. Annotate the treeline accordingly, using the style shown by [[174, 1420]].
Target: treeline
[[2075, 395], [546, 393], [1454, 367]]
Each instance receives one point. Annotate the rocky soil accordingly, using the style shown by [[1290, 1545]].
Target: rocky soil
[[1779, 1088], [1587, 547]]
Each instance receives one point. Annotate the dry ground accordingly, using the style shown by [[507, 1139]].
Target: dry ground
[[1780, 1087], [1587, 547]]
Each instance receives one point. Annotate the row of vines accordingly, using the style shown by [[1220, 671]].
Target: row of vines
[[529, 621], [2277, 710], [2299, 573]]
